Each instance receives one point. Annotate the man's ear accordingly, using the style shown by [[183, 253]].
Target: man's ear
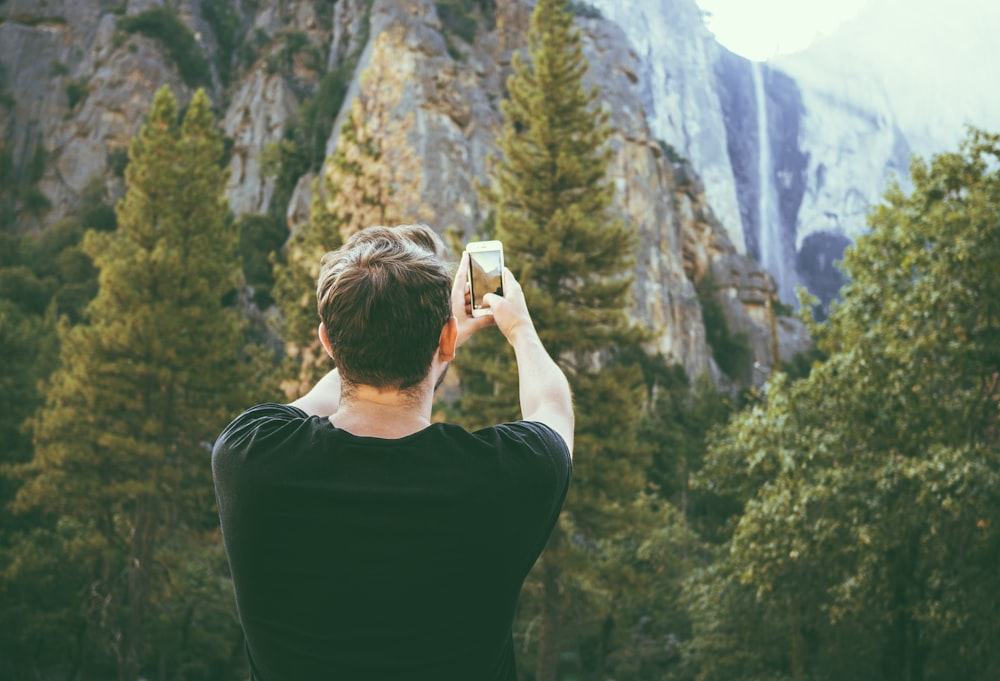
[[449, 338], [324, 339]]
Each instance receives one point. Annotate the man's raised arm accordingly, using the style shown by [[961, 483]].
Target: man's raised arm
[[544, 390]]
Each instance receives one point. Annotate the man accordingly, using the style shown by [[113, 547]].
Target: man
[[366, 541]]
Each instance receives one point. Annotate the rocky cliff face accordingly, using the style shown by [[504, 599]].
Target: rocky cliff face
[[794, 152], [80, 76]]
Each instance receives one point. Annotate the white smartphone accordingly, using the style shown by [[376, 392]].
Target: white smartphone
[[485, 273]]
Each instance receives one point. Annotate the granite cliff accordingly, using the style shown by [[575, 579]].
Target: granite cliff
[[795, 151], [78, 77]]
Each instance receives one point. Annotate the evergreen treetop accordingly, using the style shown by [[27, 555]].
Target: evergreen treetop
[[144, 384]]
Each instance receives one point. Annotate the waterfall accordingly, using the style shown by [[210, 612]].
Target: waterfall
[[768, 223]]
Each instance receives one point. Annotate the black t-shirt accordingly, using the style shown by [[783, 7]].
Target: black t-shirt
[[363, 558]]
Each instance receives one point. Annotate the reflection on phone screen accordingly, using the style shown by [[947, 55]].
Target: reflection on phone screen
[[487, 276]]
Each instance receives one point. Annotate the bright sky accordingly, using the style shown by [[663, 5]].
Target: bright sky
[[760, 29]]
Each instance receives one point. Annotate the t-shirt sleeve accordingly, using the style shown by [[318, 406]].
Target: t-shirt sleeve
[[258, 430], [543, 454], [538, 468]]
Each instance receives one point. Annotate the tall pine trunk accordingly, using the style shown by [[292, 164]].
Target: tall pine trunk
[[143, 542]]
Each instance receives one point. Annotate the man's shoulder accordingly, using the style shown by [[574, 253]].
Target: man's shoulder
[[529, 448], [258, 426], [534, 435]]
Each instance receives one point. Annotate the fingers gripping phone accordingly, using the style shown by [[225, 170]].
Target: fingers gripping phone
[[485, 273]]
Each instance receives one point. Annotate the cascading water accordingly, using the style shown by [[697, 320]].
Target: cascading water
[[768, 224]]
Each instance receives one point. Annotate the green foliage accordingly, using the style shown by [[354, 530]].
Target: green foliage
[[869, 534], [33, 202], [54, 258], [117, 161], [295, 45], [21, 200], [304, 147], [118, 481], [28, 19], [671, 153], [461, 18], [317, 114], [225, 23], [6, 100], [162, 25], [783, 309], [41, 276], [260, 237], [251, 46], [36, 164], [731, 351], [76, 92], [585, 10]]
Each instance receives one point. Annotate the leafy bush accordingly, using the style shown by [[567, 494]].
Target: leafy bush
[[671, 153], [304, 147], [585, 10], [76, 92], [225, 25], [731, 351], [260, 236], [6, 99], [461, 18], [783, 309], [34, 202], [117, 161], [165, 27]]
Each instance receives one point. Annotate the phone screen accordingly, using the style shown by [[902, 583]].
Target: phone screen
[[487, 275]]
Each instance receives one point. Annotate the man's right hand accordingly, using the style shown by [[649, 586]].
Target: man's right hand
[[510, 312]]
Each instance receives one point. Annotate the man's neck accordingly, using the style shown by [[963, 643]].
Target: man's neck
[[389, 414]]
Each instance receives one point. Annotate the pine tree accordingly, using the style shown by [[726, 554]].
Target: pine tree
[[145, 384], [372, 178], [572, 256]]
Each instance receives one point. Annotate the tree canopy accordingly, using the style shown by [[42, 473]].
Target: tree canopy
[[119, 476], [871, 488]]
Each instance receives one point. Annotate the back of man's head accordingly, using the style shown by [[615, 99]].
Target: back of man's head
[[384, 297]]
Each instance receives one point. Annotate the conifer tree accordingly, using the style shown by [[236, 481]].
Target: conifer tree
[[372, 178], [572, 256], [145, 384]]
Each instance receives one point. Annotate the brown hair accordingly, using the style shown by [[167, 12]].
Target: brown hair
[[384, 297]]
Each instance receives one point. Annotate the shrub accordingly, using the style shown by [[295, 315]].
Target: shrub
[[33, 201], [76, 92], [461, 18], [260, 236], [731, 351], [225, 25], [117, 161], [166, 28], [585, 10]]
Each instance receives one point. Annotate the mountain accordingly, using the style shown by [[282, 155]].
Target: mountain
[[795, 152], [936, 61], [758, 174]]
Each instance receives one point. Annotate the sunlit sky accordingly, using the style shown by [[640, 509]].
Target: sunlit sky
[[760, 29]]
